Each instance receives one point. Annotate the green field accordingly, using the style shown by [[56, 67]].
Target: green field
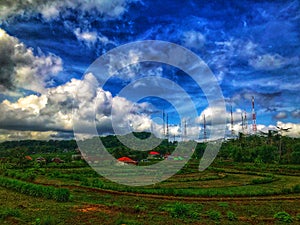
[[250, 182], [225, 193]]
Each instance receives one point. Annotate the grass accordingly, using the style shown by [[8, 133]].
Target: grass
[[284, 216], [35, 190], [231, 216], [90, 207], [214, 215], [9, 212]]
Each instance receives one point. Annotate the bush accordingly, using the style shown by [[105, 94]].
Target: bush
[[7, 212], [223, 204], [179, 210], [284, 216], [262, 180], [48, 220], [296, 188], [35, 190], [231, 216], [214, 215]]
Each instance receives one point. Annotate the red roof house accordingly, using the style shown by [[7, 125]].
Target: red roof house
[[154, 153], [127, 160]]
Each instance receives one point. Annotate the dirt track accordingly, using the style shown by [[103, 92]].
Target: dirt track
[[295, 197]]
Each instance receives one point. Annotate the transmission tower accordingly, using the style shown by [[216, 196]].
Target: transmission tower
[[254, 128], [204, 128]]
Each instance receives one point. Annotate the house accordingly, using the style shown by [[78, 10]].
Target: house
[[127, 160], [40, 160], [77, 157], [154, 155], [57, 160], [28, 157]]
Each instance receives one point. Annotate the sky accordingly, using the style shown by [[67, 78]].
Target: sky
[[46, 47]]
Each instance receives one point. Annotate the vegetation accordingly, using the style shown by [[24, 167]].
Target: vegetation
[[9, 212], [35, 190], [283, 216], [214, 215], [231, 216], [246, 168]]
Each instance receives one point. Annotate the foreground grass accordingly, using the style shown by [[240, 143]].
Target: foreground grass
[[88, 206], [94, 208]]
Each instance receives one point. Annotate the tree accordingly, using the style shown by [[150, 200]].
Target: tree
[[17, 156], [267, 153], [296, 154]]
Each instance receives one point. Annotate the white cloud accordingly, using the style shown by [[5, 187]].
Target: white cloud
[[193, 39], [281, 115], [294, 130], [52, 111], [50, 10], [271, 62], [12, 135], [88, 37], [22, 69]]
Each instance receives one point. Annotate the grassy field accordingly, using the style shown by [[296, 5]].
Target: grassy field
[[225, 193]]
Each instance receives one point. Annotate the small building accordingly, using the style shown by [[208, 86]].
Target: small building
[[154, 155], [127, 160], [28, 157], [57, 160], [40, 160], [77, 157]]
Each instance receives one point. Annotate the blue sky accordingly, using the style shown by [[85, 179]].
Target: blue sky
[[253, 48]]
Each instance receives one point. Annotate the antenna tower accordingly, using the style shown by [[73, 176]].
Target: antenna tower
[[243, 128], [254, 128], [245, 122], [231, 120], [167, 133], [164, 127], [204, 128]]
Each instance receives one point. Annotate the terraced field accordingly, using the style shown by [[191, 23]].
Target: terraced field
[[225, 193]]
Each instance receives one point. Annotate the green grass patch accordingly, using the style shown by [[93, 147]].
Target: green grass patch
[[9, 212], [35, 190], [284, 217]]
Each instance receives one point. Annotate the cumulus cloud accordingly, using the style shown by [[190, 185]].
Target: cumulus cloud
[[271, 62], [53, 111], [294, 130], [21, 68]]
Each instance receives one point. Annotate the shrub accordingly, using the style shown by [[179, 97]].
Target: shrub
[[284, 216], [179, 210], [214, 215], [7, 212], [62, 195], [59, 194], [223, 204], [296, 188], [48, 220], [231, 216], [262, 180]]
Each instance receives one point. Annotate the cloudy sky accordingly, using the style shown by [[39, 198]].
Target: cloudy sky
[[46, 47]]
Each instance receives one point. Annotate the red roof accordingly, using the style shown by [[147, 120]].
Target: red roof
[[126, 159], [154, 153], [28, 157]]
